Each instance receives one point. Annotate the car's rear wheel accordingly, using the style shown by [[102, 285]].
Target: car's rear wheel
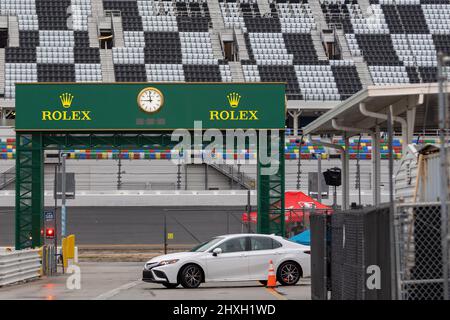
[[288, 273], [191, 276], [170, 285]]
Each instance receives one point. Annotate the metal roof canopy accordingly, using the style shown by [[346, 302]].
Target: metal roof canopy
[[414, 108], [378, 99]]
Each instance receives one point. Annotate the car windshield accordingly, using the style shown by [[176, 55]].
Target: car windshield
[[205, 246]]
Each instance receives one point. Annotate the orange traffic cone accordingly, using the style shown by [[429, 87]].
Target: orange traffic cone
[[271, 278]]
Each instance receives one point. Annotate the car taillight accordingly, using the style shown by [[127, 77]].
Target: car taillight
[[307, 252]]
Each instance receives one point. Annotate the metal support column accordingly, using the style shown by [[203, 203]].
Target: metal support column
[[271, 192], [443, 127], [63, 195], [206, 177], [178, 176], [185, 176], [345, 174], [29, 190], [319, 177], [376, 166], [411, 120], [295, 114]]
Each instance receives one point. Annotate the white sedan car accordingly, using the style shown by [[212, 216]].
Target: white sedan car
[[238, 257]]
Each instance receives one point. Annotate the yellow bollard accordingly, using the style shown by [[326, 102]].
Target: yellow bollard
[[70, 246], [68, 250], [64, 252], [41, 269]]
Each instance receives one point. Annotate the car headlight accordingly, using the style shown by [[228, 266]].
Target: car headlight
[[166, 262], [150, 265]]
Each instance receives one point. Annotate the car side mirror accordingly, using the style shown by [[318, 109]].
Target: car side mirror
[[217, 251]]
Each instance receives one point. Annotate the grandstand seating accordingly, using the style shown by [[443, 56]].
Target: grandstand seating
[[7, 148], [399, 40], [173, 38], [357, 149], [170, 40], [293, 149], [167, 40], [48, 51], [281, 48]]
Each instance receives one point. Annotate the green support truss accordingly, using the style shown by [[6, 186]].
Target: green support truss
[[29, 190], [271, 195]]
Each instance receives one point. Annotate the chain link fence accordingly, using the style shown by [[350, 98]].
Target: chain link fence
[[419, 251], [345, 247], [406, 247], [320, 256]]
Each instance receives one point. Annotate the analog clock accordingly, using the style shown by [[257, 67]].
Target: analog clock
[[150, 100]]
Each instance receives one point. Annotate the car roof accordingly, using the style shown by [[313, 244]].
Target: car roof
[[234, 235]]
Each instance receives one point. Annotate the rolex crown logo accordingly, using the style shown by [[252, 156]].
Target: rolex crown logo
[[66, 100], [233, 99]]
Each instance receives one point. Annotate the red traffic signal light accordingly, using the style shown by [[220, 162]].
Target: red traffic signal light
[[50, 233]]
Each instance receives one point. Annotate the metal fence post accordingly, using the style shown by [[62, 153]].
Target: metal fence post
[[444, 171], [391, 198], [165, 232], [63, 196], [319, 180], [396, 245], [249, 210]]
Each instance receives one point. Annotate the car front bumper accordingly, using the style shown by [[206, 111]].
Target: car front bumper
[[160, 274], [148, 276]]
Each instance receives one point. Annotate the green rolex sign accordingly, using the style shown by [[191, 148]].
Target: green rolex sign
[[149, 106]]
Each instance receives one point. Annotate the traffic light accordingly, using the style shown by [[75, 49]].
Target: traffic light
[[50, 233]]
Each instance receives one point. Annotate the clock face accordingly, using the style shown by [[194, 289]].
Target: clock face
[[150, 100]]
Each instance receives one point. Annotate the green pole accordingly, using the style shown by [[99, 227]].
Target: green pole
[[29, 190], [271, 190]]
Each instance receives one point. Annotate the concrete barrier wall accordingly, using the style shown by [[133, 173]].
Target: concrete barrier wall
[[145, 198]]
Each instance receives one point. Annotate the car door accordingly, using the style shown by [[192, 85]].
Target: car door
[[231, 264], [262, 250]]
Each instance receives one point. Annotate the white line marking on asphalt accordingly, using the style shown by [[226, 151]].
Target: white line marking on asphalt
[[109, 294]]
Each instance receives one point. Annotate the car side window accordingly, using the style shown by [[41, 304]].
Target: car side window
[[233, 245], [276, 244], [261, 243]]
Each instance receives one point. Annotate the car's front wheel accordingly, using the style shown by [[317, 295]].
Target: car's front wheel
[[170, 285], [288, 273], [191, 276]]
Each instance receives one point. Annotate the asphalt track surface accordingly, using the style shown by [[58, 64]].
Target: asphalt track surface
[[120, 280], [138, 225]]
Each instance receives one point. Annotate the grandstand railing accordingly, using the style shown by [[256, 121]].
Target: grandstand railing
[[113, 13], [7, 177], [239, 177]]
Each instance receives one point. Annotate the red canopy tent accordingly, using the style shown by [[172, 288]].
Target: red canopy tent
[[296, 204]]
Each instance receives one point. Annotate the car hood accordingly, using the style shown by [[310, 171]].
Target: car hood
[[177, 255]]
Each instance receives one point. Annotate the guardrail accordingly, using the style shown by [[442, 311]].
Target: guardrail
[[16, 266]]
